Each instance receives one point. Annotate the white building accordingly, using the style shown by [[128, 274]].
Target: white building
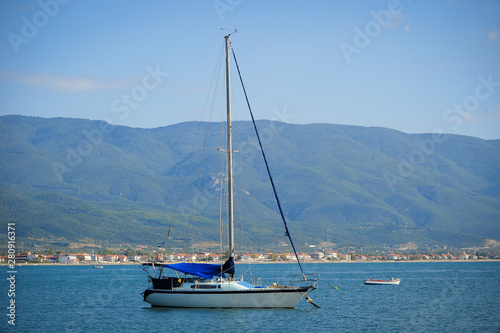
[[317, 255], [67, 258], [84, 257], [332, 255], [392, 256]]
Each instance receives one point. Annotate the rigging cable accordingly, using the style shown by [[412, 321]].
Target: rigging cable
[[221, 192], [267, 166], [183, 185], [238, 181], [206, 143]]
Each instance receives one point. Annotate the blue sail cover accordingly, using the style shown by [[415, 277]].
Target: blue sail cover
[[206, 271]]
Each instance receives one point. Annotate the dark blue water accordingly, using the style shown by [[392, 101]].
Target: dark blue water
[[432, 297]]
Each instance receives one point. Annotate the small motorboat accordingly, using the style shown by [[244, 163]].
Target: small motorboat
[[98, 266], [390, 281]]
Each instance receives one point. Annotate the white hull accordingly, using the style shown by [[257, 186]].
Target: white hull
[[259, 298], [374, 282]]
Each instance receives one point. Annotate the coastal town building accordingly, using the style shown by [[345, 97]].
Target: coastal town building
[[331, 255], [318, 256], [392, 256]]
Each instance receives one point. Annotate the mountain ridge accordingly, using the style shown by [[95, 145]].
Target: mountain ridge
[[367, 185]]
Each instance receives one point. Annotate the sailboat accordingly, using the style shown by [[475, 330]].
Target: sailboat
[[201, 285]]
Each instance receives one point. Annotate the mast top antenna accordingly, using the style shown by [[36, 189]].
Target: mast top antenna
[[229, 34]]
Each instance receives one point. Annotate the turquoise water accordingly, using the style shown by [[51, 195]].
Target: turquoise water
[[432, 297]]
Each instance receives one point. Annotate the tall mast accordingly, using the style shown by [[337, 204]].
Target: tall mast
[[229, 154]]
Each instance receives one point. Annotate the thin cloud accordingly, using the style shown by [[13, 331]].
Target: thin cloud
[[493, 35], [407, 27], [64, 83], [486, 117], [395, 18]]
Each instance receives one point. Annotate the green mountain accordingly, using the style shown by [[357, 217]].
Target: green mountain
[[76, 180]]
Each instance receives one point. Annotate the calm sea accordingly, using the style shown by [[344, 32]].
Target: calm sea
[[432, 297]]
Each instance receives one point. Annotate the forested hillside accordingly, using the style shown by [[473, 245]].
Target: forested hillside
[[348, 185]]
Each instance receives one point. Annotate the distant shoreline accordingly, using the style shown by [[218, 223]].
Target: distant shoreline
[[261, 262]]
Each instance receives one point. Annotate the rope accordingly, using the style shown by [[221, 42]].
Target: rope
[[221, 192], [267, 165]]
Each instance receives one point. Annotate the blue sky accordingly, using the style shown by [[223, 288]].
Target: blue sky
[[414, 66]]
